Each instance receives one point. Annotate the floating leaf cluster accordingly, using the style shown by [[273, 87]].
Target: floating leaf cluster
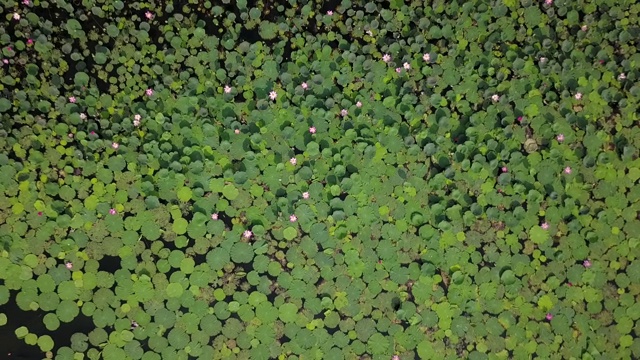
[[320, 180]]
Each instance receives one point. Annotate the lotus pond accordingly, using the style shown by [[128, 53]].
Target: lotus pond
[[311, 179]]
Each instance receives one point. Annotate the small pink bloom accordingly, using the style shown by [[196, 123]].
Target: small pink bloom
[[545, 225], [583, 28], [386, 58], [305, 195], [148, 15], [344, 112], [16, 16], [72, 99], [395, 357], [549, 316], [312, 129], [567, 170], [30, 42], [548, 2], [25, 2], [136, 123], [214, 216], [495, 97], [68, 265], [5, 61], [587, 263], [329, 12], [578, 96], [293, 218], [9, 48], [399, 70], [359, 104], [426, 57], [70, 135], [247, 234], [137, 117], [504, 169], [115, 145], [83, 116], [273, 95], [560, 137], [304, 85], [406, 65], [39, 213], [149, 92], [92, 132], [227, 89], [113, 211], [622, 77], [237, 131], [520, 118], [293, 161]]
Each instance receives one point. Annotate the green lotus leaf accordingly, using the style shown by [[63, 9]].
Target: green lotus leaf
[[241, 252], [174, 290], [290, 233], [230, 192], [180, 226], [51, 322]]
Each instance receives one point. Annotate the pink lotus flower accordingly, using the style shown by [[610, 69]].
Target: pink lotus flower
[[583, 28], [386, 58], [293, 161], [495, 97], [148, 15], [247, 234], [214, 216], [560, 137], [549, 316], [312, 129], [136, 123], [399, 70], [520, 118], [39, 213], [236, 131], [545, 225], [137, 117], [25, 2], [30, 42], [227, 89], [70, 135], [68, 265], [359, 104], [426, 57], [587, 263], [115, 145], [406, 66], [16, 16], [273, 95], [395, 357], [5, 61], [293, 218], [305, 195], [304, 86], [149, 92], [83, 116], [113, 211], [72, 99], [504, 169], [621, 77], [578, 96], [567, 170], [344, 112], [329, 12], [548, 2]]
